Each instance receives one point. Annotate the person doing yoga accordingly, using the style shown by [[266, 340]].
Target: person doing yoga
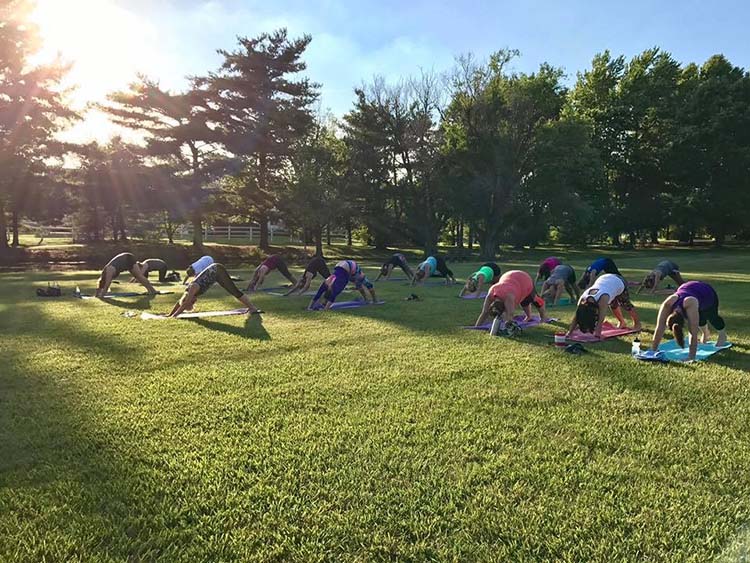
[[488, 274], [697, 303], [546, 267], [273, 262], [398, 260], [608, 291], [124, 262], [314, 267], [433, 266], [597, 268], [197, 267], [215, 273], [562, 277], [332, 286], [514, 288], [664, 269]]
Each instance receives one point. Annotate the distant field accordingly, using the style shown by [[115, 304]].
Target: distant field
[[382, 433]]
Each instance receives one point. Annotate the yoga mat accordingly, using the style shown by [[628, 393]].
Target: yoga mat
[[481, 295], [535, 321], [350, 305], [393, 279], [121, 294], [672, 351], [277, 288], [608, 331], [151, 317]]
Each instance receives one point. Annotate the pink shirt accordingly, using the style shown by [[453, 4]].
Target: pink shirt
[[551, 263], [513, 282]]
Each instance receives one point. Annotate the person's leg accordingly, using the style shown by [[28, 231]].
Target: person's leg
[[285, 272], [105, 280], [571, 289], [255, 280], [224, 280], [163, 274], [617, 312], [677, 277], [712, 316], [143, 280]]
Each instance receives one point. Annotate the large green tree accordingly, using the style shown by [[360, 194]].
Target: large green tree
[[33, 108], [490, 129], [262, 107], [181, 143]]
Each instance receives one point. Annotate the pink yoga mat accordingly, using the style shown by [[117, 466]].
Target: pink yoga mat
[[608, 331]]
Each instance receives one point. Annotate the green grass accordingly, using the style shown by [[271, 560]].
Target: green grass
[[375, 434]]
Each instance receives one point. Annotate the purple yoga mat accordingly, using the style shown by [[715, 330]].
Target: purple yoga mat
[[475, 296], [535, 321], [351, 305]]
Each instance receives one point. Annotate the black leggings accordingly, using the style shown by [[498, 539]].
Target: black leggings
[[442, 267], [711, 315], [284, 271], [318, 266], [224, 280]]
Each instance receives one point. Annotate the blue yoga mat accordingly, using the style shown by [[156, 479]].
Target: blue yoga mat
[[475, 295], [671, 352], [121, 294]]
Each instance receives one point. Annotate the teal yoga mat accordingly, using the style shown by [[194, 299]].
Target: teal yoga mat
[[674, 353]]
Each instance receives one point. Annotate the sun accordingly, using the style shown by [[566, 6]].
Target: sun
[[106, 45]]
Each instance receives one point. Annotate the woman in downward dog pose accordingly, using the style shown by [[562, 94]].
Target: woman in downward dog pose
[[398, 260], [597, 268], [514, 288], [433, 266], [332, 286], [273, 262], [546, 267], [665, 268], [488, 274], [696, 302], [608, 291], [562, 277], [124, 262], [215, 273], [314, 267]]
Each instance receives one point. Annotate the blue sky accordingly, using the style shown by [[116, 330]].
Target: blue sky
[[353, 41]]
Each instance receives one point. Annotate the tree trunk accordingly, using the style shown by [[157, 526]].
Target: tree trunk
[[121, 223], [319, 242], [348, 233], [113, 226], [489, 243], [461, 234], [719, 239], [654, 236], [471, 238], [263, 220], [197, 229], [14, 224], [3, 228], [328, 236]]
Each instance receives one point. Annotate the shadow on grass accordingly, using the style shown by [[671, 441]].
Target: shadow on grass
[[252, 328]]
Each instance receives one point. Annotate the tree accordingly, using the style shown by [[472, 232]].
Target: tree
[[314, 198], [180, 141], [490, 129], [712, 149], [261, 111], [32, 110]]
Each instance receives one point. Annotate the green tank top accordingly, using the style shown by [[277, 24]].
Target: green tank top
[[486, 271]]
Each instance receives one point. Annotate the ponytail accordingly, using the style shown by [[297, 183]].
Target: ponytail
[[676, 323]]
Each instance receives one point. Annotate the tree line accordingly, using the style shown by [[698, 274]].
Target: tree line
[[635, 150]]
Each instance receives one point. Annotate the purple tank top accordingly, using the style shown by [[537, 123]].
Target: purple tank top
[[703, 292]]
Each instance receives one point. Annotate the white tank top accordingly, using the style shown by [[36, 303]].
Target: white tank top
[[201, 264], [609, 284]]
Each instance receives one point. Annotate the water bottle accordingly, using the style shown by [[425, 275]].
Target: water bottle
[[636, 349], [496, 324]]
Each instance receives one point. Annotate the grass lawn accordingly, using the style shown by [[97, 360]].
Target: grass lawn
[[382, 433]]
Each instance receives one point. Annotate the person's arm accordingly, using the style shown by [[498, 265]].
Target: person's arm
[[643, 284], [603, 305], [480, 283], [691, 312], [143, 280], [485, 311], [188, 297], [636, 320], [463, 291], [572, 327], [306, 284], [661, 323], [296, 286]]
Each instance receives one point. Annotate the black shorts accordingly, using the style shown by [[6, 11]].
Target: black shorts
[[711, 315]]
